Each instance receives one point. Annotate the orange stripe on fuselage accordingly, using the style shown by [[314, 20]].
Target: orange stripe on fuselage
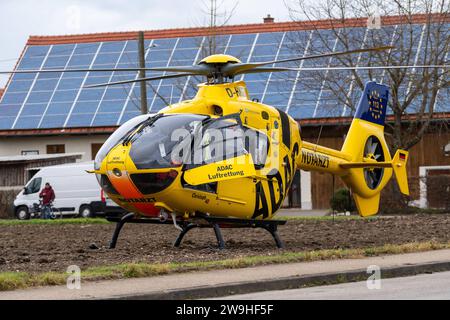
[[123, 184], [127, 189]]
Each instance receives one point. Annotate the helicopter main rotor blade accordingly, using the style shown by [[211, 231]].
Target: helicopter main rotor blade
[[73, 70], [332, 54], [169, 76], [201, 69], [240, 68], [280, 69], [197, 70]]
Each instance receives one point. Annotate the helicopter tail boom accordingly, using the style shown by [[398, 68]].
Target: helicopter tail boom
[[364, 163]]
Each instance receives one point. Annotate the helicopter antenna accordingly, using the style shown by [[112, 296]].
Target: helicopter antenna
[[318, 137]]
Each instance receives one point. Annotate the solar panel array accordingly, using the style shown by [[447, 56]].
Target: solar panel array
[[58, 100]]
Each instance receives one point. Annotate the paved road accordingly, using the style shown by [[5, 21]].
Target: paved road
[[296, 212], [428, 286]]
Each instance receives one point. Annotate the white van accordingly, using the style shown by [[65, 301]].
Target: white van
[[77, 192]]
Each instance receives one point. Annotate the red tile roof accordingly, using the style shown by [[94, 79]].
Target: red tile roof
[[235, 29], [58, 131]]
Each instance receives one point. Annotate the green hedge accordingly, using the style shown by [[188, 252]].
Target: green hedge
[[342, 201]]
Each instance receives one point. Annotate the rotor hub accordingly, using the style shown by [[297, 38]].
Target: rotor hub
[[219, 59]]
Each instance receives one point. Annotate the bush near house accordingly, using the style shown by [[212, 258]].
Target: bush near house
[[437, 196], [7, 196], [342, 201]]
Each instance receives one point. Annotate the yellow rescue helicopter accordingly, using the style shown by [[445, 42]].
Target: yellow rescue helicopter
[[222, 159]]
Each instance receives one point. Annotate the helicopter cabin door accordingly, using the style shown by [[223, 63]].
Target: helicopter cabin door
[[225, 160], [219, 154], [270, 174]]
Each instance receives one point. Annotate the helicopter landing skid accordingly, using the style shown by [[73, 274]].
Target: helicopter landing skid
[[211, 222], [190, 226]]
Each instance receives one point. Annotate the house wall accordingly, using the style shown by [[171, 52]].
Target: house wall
[[73, 144], [15, 174]]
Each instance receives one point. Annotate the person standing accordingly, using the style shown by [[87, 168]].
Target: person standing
[[48, 196]]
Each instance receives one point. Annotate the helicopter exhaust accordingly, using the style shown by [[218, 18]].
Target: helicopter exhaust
[[364, 163]]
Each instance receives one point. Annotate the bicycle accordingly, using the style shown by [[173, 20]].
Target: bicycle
[[36, 211]]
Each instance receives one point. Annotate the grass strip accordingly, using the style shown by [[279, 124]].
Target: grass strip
[[54, 222], [23, 280]]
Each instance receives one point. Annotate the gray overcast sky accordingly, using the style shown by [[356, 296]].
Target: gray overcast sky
[[21, 18]]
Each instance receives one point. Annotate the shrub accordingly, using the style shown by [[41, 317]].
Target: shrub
[[342, 201]]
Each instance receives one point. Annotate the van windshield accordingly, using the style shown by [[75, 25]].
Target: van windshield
[[33, 186]]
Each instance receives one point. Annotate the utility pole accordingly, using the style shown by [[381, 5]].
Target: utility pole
[[144, 107]]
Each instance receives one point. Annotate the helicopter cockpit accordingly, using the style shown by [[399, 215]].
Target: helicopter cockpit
[[171, 140]]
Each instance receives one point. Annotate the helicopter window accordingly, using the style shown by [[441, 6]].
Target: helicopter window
[[222, 139], [257, 144], [116, 137], [152, 145], [206, 187], [106, 184], [226, 138], [149, 183]]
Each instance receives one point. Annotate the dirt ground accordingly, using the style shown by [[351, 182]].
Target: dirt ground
[[40, 248]]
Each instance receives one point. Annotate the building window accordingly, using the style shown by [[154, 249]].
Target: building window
[[30, 152], [94, 149], [56, 148]]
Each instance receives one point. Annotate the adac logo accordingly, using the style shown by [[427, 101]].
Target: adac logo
[[375, 106]]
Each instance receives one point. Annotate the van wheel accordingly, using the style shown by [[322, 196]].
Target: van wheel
[[86, 211], [22, 213]]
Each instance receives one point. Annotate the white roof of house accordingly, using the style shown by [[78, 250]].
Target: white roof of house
[[19, 158], [85, 164]]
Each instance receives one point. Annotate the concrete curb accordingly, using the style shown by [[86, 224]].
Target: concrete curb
[[293, 282]]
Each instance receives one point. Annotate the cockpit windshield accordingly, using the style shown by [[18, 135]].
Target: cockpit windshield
[[170, 140], [152, 145], [117, 136]]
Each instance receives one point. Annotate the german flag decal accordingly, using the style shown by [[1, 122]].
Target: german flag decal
[[402, 156]]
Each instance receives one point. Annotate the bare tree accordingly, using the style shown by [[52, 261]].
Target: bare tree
[[422, 38], [213, 15]]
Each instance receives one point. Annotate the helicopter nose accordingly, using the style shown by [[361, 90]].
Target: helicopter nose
[[118, 175]]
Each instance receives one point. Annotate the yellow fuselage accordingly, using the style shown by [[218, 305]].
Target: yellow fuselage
[[237, 186], [258, 194]]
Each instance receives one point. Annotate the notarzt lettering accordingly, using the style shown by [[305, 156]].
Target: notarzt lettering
[[314, 159]]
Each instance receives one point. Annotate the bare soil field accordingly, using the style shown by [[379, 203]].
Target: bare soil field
[[39, 248]]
